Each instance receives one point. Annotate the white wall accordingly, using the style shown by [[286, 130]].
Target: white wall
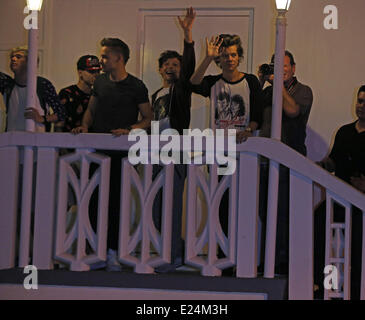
[[327, 60]]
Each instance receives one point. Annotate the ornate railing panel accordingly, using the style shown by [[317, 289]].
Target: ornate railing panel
[[81, 231]]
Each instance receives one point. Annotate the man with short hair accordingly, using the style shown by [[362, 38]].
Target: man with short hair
[[171, 106], [118, 96], [297, 103], [117, 99], [14, 91], [235, 96], [75, 98], [230, 86]]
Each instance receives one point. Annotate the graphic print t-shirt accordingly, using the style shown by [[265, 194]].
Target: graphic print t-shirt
[[233, 104], [230, 104], [76, 102]]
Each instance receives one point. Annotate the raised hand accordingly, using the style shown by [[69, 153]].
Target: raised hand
[[187, 23], [213, 46]]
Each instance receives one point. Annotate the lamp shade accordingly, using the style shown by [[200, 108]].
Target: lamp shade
[[34, 5], [282, 4]]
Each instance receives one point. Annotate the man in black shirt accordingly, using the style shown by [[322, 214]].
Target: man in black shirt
[[171, 106], [347, 157], [297, 103], [347, 160], [117, 99]]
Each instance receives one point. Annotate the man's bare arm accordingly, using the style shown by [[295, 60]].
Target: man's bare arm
[[212, 51], [147, 116]]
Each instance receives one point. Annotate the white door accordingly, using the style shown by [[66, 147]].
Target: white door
[[159, 31]]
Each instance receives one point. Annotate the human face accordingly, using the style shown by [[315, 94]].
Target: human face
[[229, 58], [18, 62], [360, 106], [88, 77], [170, 70], [289, 70], [109, 60]]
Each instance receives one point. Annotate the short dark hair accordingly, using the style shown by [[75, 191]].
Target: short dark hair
[[288, 54], [117, 46], [361, 89], [228, 41], [168, 54]]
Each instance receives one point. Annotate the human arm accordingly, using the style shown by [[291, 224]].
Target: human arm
[[51, 98], [188, 57], [6, 82], [212, 51], [186, 24], [299, 102], [145, 110], [290, 107], [33, 114]]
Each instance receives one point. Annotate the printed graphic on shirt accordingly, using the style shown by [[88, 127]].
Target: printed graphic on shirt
[[231, 103], [75, 102], [161, 104]]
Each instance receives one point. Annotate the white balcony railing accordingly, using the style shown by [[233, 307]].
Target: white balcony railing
[[40, 188]]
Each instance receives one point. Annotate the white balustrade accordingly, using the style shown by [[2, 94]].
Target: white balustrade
[[145, 233], [48, 181], [81, 231], [212, 233]]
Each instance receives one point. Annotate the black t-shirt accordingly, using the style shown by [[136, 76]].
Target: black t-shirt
[[75, 102], [348, 152], [118, 102], [293, 130]]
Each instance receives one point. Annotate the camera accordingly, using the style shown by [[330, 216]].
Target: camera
[[266, 69]]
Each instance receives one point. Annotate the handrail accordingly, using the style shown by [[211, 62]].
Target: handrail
[[269, 148], [286, 156]]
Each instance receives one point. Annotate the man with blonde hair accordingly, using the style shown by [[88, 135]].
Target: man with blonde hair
[[14, 91]]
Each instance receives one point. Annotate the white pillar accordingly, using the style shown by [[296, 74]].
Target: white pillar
[[32, 75], [273, 186], [27, 191]]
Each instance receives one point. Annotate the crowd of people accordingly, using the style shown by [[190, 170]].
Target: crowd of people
[[111, 101]]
